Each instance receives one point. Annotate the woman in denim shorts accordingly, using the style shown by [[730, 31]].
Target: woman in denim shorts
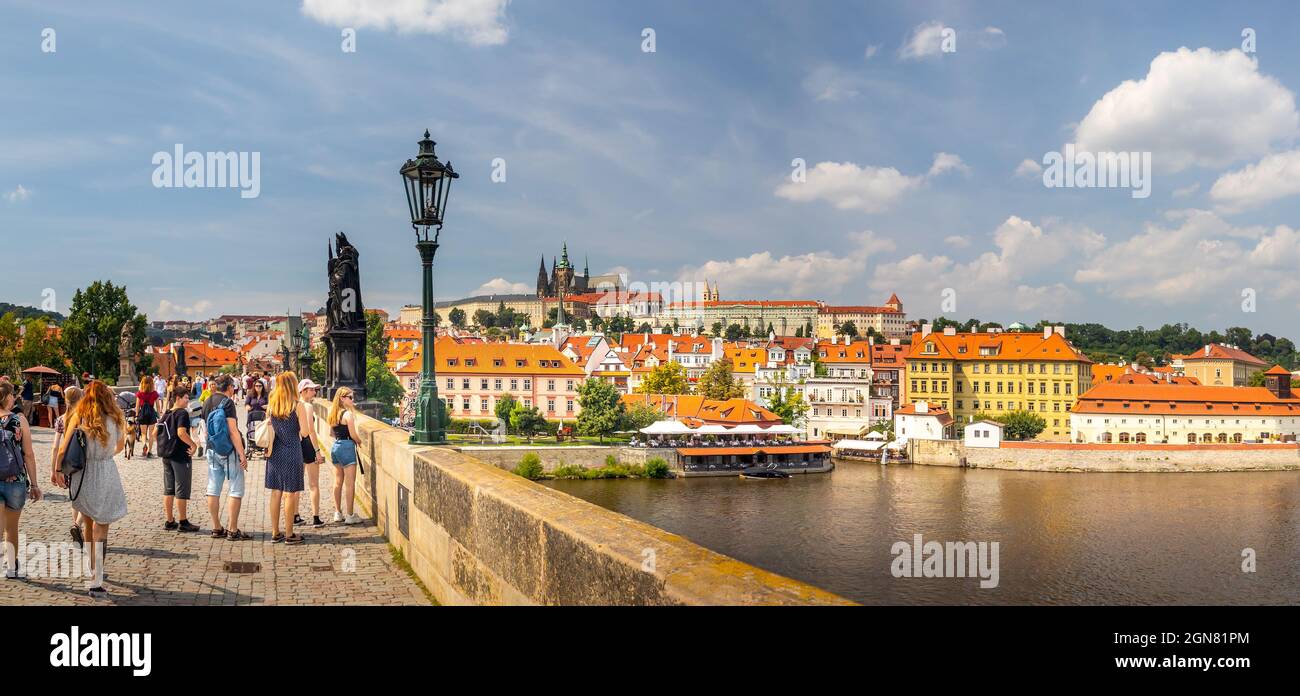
[[17, 488], [343, 426]]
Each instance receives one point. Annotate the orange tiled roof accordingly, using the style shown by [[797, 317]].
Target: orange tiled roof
[[931, 410], [696, 407], [857, 352], [1218, 351], [1277, 370], [1184, 399], [861, 309], [502, 358], [888, 355], [1010, 346], [745, 303]]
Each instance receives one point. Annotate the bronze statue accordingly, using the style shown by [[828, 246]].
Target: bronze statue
[[343, 309]]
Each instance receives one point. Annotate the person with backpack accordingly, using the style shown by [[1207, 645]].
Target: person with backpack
[[226, 460], [73, 396], [176, 447], [96, 487], [146, 414], [17, 473]]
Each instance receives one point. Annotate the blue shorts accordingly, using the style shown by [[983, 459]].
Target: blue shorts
[[343, 453], [14, 494], [221, 468]]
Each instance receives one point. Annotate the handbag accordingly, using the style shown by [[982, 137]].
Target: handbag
[[265, 435], [74, 460]]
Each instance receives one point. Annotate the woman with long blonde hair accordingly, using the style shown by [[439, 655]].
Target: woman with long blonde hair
[[98, 487], [284, 465], [19, 482], [343, 426]]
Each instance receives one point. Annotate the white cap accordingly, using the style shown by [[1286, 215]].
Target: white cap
[[307, 384]]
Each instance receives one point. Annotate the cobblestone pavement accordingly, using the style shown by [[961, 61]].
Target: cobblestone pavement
[[335, 565]]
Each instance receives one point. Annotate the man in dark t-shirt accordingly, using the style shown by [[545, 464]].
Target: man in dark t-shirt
[[230, 467]]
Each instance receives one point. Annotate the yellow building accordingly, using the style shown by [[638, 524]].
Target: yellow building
[[996, 373], [888, 320], [1217, 365]]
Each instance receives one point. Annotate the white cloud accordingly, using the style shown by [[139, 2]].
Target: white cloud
[[476, 21], [829, 83], [801, 276], [991, 37], [957, 240], [170, 310], [866, 188], [1186, 191], [501, 286], [1200, 108], [1029, 169], [925, 40], [19, 194], [1275, 176], [871, 51], [995, 279]]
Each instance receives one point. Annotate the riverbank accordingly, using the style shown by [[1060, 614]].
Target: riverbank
[[1108, 458]]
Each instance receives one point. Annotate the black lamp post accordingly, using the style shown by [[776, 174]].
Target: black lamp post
[[427, 182], [94, 340]]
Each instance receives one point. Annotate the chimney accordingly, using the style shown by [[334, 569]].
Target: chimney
[[1207, 350], [1060, 330], [922, 407], [1047, 332], [895, 342], [926, 328], [950, 331]]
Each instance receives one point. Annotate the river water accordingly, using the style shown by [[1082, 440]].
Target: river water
[[1063, 538]]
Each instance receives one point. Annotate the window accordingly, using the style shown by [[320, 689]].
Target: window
[[465, 404], [451, 382], [464, 383], [520, 363], [483, 383], [550, 405], [550, 385], [569, 406], [496, 384], [497, 362], [528, 384], [568, 386], [514, 384]]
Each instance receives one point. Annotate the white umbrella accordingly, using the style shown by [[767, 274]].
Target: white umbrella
[[875, 435], [666, 427]]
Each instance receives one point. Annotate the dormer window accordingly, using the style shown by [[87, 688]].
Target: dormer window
[[929, 347], [520, 363]]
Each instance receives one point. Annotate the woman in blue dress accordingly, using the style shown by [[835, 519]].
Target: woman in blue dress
[[284, 467]]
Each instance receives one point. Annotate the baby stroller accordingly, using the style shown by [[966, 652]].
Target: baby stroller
[[254, 417]]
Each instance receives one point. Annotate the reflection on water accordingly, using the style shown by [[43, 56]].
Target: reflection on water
[[1064, 538]]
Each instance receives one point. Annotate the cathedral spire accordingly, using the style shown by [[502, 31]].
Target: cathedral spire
[[586, 266], [564, 257]]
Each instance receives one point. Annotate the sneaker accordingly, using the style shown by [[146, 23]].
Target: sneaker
[[298, 520], [218, 533], [277, 538], [11, 574], [316, 521], [186, 526], [98, 592], [169, 526], [354, 518], [338, 516]]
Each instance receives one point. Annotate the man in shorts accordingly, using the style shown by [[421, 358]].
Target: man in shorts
[[230, 467]]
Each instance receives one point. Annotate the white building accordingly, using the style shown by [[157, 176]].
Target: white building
[[922, 421], [1114, 412], [984, 433]]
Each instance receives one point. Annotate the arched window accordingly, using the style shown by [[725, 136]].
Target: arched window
[[1206, 437], [1236, 437], [1105, 437], [1191, 438], [1221, 437], [1123, 437], [1140, 437]]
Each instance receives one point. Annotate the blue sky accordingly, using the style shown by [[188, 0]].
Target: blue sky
[[668, 165]]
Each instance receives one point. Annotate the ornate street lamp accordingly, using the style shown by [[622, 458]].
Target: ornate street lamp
[[94, 340], [427, 183]]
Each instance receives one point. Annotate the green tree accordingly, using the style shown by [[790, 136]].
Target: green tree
[[717, 329], [579, 324], [457, 317], [1022, 425], [527, 421], [717, 382], [1256, 379], [602, 408], [667, 378], [382, 386], [102, 310], [10, 340], [530, 467], [798, 333], [505, 404], [376, 341], [819, 370], [734, 332], [788, 404], [39, 349], [849, 329], [640, 415], [485, 319]]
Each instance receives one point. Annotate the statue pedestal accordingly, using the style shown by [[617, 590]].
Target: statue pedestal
[[346, 363], [374, 409], [126, 374]]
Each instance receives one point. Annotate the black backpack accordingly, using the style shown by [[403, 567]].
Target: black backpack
[[169, 442], [11, 453], [74, 460]]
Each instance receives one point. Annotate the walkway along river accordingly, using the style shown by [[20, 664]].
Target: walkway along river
[[1099, 538]]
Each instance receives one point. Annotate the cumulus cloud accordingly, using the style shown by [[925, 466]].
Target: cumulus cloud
[[799, 276], [1199, 108], [867, 188], [925, 40], [19, 194], [1029, 169], [1275, 176], [998, 278], [957, 241], [501, 286], [171, 310], [476, 21]]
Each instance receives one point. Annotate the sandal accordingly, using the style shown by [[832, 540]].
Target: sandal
[[294, 538], [218, 533], [236, 535]]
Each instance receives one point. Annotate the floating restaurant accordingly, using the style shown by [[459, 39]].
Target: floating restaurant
[[719, 450]]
